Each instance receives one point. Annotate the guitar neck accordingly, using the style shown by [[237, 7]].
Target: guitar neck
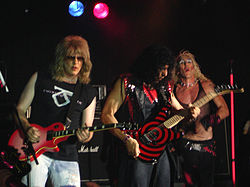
[[202, 101], [102, 127], [174, 120], [91, 129]]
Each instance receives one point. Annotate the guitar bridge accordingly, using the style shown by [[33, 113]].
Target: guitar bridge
[[145, 139]]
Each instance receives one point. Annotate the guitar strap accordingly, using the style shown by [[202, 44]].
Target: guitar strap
[[73, 102]]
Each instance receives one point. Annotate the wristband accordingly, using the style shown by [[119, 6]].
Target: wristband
[[210, 120], [28, 129], [126, 138]]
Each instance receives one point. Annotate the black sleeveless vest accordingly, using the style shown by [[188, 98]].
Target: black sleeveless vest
[[137, 107]]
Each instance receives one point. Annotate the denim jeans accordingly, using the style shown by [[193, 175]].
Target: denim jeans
[[135, 173], [61, 173]]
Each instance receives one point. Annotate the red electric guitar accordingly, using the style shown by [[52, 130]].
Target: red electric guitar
[[153, 136], [52, 135]]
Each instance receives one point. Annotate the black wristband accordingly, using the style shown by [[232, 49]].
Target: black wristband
[[210, 120]]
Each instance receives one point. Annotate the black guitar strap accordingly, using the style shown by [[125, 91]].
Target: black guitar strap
[[73, 100]]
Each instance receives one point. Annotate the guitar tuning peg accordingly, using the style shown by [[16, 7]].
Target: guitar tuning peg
[[221, 87], [217, 87]]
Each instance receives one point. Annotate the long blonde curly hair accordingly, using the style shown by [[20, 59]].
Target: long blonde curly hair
[[176, 75], [72, 45]]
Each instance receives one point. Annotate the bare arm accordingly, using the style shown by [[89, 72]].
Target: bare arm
[[246, 128], [87, 121], [222, 108], [112, 104], [23, 104]]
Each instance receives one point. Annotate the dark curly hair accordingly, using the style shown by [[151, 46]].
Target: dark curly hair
[[152, 60]]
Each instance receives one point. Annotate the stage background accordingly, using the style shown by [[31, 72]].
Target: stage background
[[217, 32]]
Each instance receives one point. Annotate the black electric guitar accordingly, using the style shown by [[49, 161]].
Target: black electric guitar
[[53, 135], [153, 137]]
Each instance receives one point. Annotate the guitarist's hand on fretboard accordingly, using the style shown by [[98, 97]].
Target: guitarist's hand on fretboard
[[83, 135], [193, 112], [189, 114]]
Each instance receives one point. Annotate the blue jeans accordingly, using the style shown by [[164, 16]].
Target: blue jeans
[[135, 173], [61, 173]]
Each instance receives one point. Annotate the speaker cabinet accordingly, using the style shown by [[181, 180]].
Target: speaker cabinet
[[95, 158], [223, 149]]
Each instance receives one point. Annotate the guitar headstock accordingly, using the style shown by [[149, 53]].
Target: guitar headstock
[[224, 89], [127, 126]]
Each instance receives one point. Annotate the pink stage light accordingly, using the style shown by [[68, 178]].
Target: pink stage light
[[101, 10]]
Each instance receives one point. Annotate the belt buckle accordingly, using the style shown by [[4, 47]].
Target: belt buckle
[[193, 146], [196, 147]]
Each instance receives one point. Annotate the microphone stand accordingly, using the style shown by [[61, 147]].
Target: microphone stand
[[29, 150], [3, 83]]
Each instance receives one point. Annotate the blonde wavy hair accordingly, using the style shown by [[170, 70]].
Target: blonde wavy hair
[[176, 75], [72, 45]]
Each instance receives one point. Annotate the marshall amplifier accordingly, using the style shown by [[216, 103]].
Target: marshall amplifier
[[223, 150], [95, 157]]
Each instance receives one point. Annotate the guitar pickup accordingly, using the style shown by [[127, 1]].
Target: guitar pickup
[[145, 139], [50, 135]]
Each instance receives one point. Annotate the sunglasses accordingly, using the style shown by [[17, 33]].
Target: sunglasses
[[79, 58], [183, 61]]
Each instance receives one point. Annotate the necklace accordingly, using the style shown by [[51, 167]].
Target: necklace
[[71, 80], [188, 84]]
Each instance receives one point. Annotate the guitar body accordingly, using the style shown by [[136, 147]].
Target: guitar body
[[153, 136], [45, 144], [152, 139], [53, 135]]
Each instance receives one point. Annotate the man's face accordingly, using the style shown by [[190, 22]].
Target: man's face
[[186, 67], [73, 65], [163, 73]]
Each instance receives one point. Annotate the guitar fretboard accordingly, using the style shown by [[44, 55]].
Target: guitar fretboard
[[92, 129], [205, 99], [122, 126], [174, 120]]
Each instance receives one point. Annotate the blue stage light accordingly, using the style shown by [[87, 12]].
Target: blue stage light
[[76, 8]]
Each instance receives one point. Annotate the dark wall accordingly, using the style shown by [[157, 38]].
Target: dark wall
[[216, 32]]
